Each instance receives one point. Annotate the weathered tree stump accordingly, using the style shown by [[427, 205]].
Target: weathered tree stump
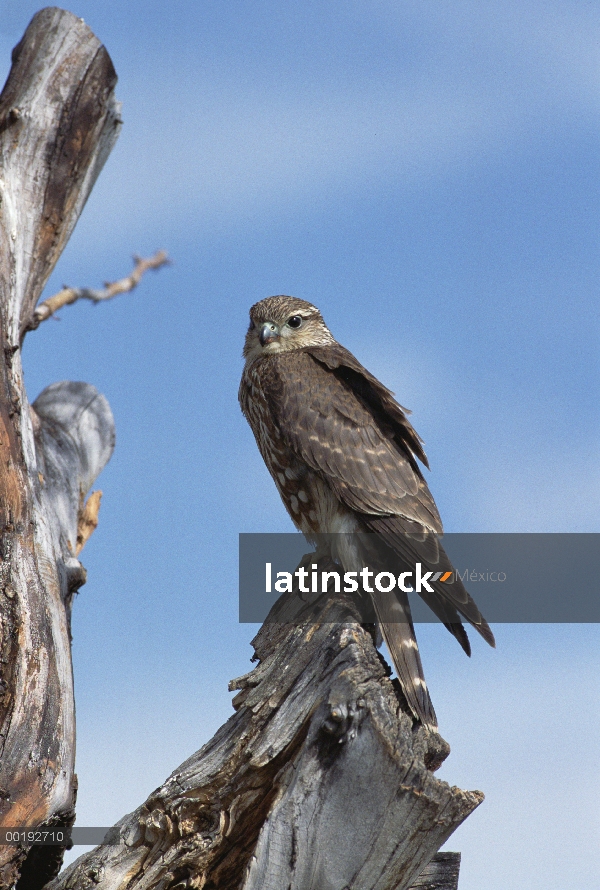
[[318, 782], [321, 780]]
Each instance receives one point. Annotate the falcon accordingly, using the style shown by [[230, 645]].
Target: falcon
[[345, 460]]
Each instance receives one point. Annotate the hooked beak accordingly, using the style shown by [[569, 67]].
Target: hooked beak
[[268, 333]]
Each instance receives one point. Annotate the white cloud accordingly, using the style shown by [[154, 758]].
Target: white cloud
[[204, 146], [551, 44]]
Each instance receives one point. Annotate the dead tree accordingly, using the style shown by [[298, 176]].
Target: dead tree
[[320, 780], [58, 123]]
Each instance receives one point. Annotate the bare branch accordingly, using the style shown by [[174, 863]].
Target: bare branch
[[71, 294]]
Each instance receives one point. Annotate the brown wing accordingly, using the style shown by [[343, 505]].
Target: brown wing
[[345, 425], [379, 399]]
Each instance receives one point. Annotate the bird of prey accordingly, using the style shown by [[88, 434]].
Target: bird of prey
[[343, 456]]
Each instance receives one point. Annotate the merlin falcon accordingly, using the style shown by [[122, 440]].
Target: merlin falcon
[[344, 458]]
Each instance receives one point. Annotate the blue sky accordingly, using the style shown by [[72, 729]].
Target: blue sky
[[427, 174]]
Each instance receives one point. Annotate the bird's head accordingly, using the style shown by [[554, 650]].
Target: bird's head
[[283, 324]]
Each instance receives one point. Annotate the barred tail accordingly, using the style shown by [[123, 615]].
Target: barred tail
[[393, 613]]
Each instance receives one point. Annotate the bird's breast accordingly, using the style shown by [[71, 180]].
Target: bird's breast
[[310, 502]]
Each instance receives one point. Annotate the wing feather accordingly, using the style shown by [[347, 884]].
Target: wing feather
[[351, 432]]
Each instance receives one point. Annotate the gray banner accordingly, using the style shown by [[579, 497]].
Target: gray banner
[[545, 578], [59, 837]]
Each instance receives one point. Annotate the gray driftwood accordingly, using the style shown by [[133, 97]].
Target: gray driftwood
[[58, 122], [320, 780]]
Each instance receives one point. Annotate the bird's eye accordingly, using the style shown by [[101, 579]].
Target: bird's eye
[[295, 321]]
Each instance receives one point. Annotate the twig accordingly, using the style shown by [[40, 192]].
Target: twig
[[71, 294]]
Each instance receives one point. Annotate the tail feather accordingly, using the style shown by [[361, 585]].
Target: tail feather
[[395, 620]]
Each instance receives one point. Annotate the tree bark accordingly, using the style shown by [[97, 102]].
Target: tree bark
[[320, 781], [58, 123]]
